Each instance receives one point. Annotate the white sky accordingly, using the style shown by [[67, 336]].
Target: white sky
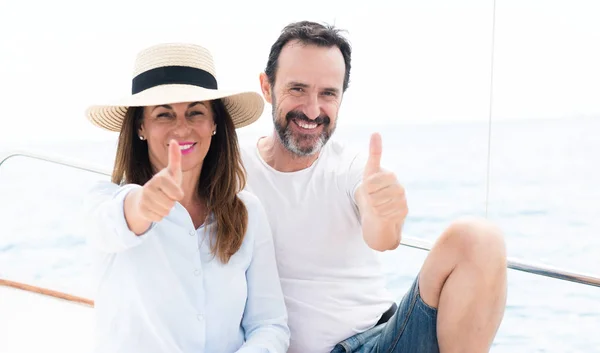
[[414, 61]]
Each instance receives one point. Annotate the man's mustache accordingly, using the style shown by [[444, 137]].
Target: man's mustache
[[321, 119]]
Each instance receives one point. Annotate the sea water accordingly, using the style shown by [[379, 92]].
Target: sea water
[[541, 186]]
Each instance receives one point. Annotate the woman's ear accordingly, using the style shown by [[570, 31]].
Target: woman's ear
[[141, 133]]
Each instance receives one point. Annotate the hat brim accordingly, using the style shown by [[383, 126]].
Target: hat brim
[[244, 107]]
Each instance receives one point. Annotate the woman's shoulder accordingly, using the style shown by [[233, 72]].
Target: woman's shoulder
[[251, 201], [257, 215]]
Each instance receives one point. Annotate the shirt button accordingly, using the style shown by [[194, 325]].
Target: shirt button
[[200, 317], [197, 272], [192, 232]]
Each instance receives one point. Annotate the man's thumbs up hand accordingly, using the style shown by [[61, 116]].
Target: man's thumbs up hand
[[382, 201], [374, 162]]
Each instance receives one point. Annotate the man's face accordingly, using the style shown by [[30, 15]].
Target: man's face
[[307, 95]]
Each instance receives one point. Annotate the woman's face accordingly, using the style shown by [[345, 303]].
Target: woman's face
[[191, 124]]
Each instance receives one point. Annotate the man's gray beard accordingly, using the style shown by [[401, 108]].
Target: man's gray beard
[[286, 136]]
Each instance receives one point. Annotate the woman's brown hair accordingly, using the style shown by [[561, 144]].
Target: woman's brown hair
[[221, 178]]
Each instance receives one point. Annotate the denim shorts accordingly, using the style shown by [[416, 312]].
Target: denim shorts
[[411, 329]]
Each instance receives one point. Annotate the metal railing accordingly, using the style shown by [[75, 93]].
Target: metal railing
[[519, 265], [55, 159], [515, 264]]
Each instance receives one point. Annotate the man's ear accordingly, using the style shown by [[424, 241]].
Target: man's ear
[[265, 87]]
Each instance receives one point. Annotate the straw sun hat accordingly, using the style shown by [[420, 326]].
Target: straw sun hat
[[176, 73]]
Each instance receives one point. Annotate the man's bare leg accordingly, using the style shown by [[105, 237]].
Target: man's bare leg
[[464, 277]]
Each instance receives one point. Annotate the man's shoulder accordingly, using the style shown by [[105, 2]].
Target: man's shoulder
[[247, 147], [341, 155], [249, 154]]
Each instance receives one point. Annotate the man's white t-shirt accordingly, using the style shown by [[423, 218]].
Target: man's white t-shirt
[[332, 281]]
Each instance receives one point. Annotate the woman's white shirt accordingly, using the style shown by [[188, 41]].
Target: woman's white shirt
[[164, 291]]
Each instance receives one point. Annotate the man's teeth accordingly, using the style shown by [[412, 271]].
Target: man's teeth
[[306, 125], [185, 147]]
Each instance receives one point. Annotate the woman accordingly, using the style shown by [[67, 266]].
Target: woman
[[187, 260]]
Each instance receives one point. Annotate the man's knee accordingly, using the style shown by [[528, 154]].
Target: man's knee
[[476, 240], [472, 244]]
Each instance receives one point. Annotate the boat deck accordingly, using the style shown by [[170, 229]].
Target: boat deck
[[35, 323]]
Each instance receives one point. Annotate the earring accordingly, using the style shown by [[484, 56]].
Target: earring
[[214, 132], [142, 138]]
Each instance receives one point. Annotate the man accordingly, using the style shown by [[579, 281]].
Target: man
[[331, 211]]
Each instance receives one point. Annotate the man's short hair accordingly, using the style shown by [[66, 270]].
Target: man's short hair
[[311, 33]]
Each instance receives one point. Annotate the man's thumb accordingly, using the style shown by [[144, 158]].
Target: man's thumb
[[374, 162], [174, 165]]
